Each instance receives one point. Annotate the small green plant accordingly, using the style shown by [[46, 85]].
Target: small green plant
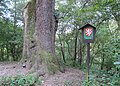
[[73, 83], [20, 80], [92, 81]]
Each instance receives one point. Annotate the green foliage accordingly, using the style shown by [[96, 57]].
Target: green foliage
[[11, 33], [104, 14], [20, 80], [10, 41], [73, 15], [103, 78], [73, 83]]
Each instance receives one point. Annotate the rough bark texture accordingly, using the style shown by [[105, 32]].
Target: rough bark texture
[[26, 40], [44, 25], [39, 36], [29, 48]]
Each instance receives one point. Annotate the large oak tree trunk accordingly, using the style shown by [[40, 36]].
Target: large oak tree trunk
[[39, 36], [44, 25]]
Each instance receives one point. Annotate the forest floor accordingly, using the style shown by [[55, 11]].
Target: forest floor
[[71, 77], [11, 69]]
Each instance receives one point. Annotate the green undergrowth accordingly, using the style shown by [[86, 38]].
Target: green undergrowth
[[20, 80], [103, 78], [73, 83], [97, 77]]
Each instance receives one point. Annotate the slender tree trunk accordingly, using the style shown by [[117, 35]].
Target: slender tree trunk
[[62, 49], [80, 53], [75, 51], [2, 54], [69, 49], [102, 64]]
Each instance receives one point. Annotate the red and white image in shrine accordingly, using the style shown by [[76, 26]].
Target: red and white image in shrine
[[88, 31]]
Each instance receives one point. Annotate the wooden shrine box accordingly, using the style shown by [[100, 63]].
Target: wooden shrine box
[[88, 33]]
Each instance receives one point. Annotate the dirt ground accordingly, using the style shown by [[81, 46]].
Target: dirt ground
[[11, 69], [71, 77]]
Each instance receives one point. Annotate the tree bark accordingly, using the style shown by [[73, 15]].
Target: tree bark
[[26, 32], [44, 25], [39, 36]]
